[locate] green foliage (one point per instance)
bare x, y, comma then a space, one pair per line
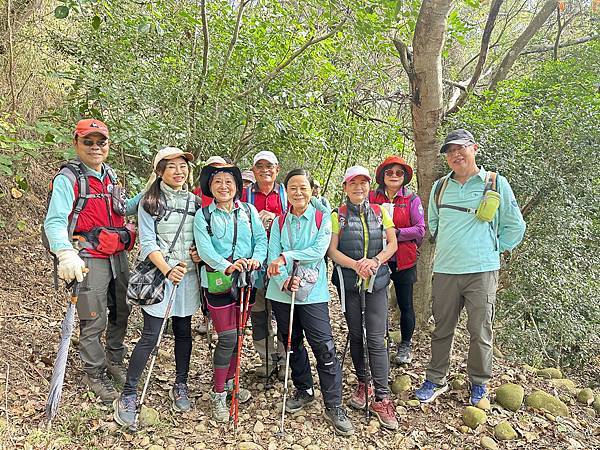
13, 149
541, 131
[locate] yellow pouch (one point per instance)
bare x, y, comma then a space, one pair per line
488, 206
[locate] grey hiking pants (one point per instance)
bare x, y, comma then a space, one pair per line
261, 314
477, 293
101, 306
376, 316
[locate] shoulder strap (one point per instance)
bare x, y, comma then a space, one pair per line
72, 170
178, 232
490, 181
440, 187
318, 218
283, 197
281, 221
111, 174
248, 214
206, 214
250, 195
235, 233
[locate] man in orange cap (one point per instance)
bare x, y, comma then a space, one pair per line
85, 227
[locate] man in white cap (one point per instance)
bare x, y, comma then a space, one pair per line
270, 200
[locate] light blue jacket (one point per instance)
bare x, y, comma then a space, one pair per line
464, 243
300, 240
214, 250
56, 224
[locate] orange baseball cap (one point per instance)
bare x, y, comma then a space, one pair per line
89, 126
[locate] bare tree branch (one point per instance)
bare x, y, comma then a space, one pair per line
509, 59
483, 52
234, 37
547, 48
206, 40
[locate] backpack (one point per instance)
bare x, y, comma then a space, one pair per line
318, 219
440, 188
164, 210
76, 174
282, 196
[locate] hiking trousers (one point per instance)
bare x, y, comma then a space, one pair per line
311, 320
262, 329
101, 306
476, 292
403, 286
376, 315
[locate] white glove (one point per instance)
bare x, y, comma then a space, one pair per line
70, 265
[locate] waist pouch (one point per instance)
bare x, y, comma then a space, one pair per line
488, 206
108, 240
308, 280
221, 285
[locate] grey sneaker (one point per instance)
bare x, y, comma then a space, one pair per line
180, 397
336, 416
298, 401
220, 412
244, 395
117, 371
125, 408
404, 355
101, 385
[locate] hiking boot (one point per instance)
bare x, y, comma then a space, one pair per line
220, 412
429, 391
300, 399
336, 416
478, 392
261, 371
101, 385
385, 412
180, 396
117, 371
243, 394
403, 355
358, 398
125, 408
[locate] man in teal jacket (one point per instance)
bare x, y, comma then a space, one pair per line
467, 260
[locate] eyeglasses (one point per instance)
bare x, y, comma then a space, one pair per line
459, 149
392, 172
91, 143
265, 166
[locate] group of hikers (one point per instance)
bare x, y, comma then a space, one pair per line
249, 242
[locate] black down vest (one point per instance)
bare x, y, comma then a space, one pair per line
352, 243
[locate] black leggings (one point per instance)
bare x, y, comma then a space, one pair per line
403, 285
182, 330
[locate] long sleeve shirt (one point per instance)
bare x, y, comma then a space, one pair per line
464, 243
300, 239
216, 249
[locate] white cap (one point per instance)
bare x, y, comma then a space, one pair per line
171, 153
267, 156
248, 175
355, 171
215, 160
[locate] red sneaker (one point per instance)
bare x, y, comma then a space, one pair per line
358, 399
385, 412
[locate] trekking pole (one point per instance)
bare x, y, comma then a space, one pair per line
288, 349
154, 352
363, 308
345, 350
242, 319
60, 364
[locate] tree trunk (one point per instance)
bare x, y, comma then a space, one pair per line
509, 59
427, 109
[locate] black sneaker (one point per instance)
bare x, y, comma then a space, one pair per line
180, 396
298, 401
336, 416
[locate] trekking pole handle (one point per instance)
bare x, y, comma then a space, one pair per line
293, 273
